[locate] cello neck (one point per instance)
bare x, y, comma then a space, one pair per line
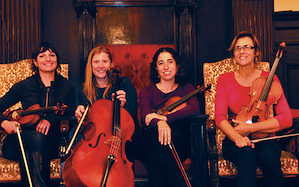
116, 129
116, 118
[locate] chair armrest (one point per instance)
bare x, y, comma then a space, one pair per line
213, 153
199, 157
64, 133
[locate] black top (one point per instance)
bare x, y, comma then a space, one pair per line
126, 85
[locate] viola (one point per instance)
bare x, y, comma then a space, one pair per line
32, 114
264, 93
100, 159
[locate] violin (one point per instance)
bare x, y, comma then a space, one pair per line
29, 117
264, 93
32, 114
100, 159
174, 104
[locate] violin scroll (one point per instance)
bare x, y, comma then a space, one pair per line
280, 50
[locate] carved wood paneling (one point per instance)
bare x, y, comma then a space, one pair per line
86, 14
186, 36
255, 16
20, 26
286, 29
138, 22
123, 22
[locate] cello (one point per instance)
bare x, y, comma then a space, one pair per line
100, 159
264, 94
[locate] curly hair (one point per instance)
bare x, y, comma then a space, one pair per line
41, 48
181, 73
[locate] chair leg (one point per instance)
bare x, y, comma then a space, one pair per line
213, 154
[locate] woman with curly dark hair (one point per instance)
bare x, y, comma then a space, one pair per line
167, 74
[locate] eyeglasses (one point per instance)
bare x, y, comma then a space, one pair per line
245, 48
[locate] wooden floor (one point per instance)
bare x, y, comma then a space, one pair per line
289, 182
57, 184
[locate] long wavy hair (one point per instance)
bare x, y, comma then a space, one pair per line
41, 48
181, 73
90, 83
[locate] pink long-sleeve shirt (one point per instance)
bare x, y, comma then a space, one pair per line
231, 97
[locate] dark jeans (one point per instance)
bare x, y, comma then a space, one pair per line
265, 154
36, 150
162, 168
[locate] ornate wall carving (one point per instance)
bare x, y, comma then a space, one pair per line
20, 27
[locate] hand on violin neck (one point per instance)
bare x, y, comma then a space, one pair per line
10, 126
164, 133
151, 116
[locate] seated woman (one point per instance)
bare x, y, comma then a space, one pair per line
98, 85
167, 74
41, 139
232, 96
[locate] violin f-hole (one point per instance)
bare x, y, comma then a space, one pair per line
251, 107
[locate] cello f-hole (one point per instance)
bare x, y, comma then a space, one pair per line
98, 139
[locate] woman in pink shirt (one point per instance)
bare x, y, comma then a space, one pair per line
232, 96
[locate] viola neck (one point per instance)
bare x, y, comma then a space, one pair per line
35, 111
267, 86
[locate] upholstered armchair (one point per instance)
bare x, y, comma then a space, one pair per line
9, 75
218, 166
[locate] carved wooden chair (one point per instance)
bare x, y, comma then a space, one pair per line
218, 166
9, 75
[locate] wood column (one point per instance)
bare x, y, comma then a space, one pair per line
256, 17
20, 29
186, 36
86, 14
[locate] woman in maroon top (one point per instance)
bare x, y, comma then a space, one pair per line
167, 74
232, 95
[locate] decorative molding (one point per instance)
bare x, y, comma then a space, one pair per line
186, 37
86, 14
87, 7
285, 16
185, 7
140, 3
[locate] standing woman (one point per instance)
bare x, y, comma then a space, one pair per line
41, 140
167, 74
98, 85
232, 95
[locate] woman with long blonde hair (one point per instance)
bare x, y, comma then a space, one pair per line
97, 84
